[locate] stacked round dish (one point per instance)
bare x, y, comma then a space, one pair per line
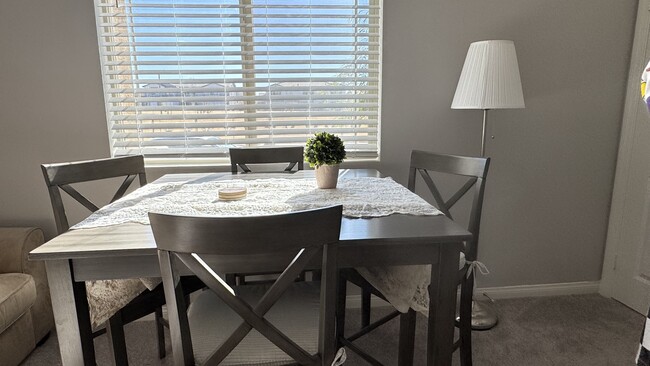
232, 193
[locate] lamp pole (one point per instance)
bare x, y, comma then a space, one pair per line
484, 316
485, 113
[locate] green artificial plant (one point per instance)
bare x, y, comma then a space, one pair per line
324, 149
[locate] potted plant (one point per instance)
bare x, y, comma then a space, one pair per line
324, 152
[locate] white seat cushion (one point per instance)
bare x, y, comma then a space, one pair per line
296, 315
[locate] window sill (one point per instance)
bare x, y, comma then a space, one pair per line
159, 167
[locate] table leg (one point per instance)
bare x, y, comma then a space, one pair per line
442, 305
83, 320
65, 313
366, 298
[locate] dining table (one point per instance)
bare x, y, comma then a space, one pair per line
128, 251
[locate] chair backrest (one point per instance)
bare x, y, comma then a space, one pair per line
191, 240
475, 168
60, 176
239, 157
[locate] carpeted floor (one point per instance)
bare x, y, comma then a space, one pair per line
568, 330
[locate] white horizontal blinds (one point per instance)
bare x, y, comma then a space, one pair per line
195, 77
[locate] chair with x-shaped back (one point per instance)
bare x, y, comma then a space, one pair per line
239, 157
60, 177
287, 322
423, 163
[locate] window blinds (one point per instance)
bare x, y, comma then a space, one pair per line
192, 78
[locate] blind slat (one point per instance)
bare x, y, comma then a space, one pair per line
189, 125
274, 130
219, 143
180, 53
215, 15
274, 71
195, 87
303, 114
118, 23
330, 79
206, 62
111, 5
180, 43
188, 98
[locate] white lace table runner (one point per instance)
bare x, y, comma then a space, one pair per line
404, 287
360, 197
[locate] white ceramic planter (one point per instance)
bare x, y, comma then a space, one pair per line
327, 176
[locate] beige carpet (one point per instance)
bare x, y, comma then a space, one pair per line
568, 330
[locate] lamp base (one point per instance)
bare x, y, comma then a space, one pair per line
484, 315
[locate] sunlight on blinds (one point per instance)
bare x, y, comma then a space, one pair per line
192, 78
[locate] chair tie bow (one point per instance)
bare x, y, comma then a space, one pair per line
474, 265
340, 357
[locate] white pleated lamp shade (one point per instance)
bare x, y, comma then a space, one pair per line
490, 78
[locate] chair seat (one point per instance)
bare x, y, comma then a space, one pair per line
296, 314
17, 295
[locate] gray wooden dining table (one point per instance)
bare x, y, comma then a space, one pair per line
129, 251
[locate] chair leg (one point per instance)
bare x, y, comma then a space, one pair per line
340, 309
316, 275
116, 341
160, 333
365, 307
465, 328
406, 338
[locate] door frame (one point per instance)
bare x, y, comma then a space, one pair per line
628, 131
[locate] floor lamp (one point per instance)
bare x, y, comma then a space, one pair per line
489, 80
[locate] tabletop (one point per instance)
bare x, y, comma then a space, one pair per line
133, 239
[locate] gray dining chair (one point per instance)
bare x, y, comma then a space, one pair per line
240, 157
423, 163
63, 177
287, 322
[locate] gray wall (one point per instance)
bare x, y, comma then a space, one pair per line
548, 193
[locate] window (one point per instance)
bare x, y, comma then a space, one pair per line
187, 79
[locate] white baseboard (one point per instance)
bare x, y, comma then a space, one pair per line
508, 292
550, 289
505, 292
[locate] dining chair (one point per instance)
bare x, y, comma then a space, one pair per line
240, 157
423, 163
286, 322
293, 155
61, 177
